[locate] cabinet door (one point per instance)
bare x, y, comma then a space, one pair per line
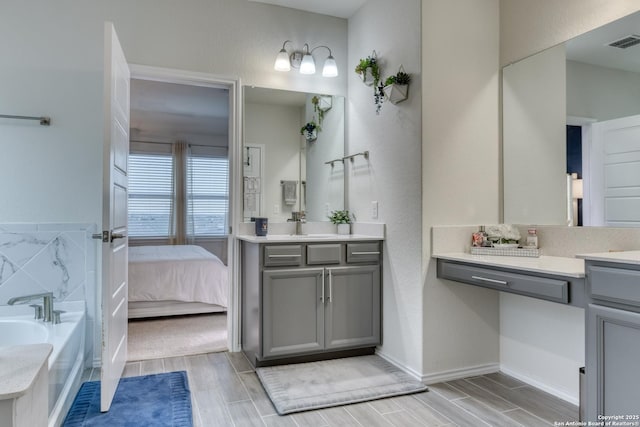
352, 307
292, 311
613, 372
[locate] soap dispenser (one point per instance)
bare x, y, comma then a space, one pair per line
532, 238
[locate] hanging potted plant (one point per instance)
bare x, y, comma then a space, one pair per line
369, 70
321, 104
343, 220
396, 88
310, 131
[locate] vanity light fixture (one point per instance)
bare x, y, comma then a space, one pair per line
304, 61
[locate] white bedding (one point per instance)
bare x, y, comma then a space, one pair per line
177, 272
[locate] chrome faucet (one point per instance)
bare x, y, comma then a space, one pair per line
47, 302
299, 219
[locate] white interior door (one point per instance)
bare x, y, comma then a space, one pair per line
114, 217
614, 193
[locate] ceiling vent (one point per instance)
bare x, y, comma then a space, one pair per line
626, 42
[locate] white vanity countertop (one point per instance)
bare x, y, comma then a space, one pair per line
626, 257
562, 266
19, 366
292, 238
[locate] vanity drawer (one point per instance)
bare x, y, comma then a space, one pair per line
282, 255
614, 284
539, 287
330, 253
363, 252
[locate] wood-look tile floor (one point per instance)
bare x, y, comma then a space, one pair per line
225, 391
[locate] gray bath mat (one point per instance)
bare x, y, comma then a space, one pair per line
313, 385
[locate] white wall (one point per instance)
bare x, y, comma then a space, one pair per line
392, 175
601, 93
534, 139
54, 65
460, 162
278, 128
528, 27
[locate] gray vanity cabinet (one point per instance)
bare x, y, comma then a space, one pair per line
309, 299
352, 307
613, 341
293, 312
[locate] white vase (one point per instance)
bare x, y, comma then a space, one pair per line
344, 228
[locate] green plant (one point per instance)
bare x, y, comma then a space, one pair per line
401, 78
309, 128
316, 108
369, 62
378, 97
340, 217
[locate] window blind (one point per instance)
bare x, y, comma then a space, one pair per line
207, 193
150, 194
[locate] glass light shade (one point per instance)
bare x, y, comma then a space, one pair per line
330, 68
282, 61
308, 65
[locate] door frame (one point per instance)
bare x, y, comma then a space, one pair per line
587, 166
233, 84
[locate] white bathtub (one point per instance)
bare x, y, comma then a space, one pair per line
17, 327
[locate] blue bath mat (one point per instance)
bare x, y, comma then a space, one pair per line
149, 400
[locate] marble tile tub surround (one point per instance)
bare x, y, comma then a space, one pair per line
36, 258
555, 240
61, 258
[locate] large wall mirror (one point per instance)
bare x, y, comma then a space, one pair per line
571, 131
284, 171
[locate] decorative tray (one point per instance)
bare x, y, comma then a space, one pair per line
522, 252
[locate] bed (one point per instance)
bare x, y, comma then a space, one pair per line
175, 279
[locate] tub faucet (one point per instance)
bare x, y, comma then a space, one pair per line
47, 302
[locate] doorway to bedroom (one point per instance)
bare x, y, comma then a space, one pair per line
179, 216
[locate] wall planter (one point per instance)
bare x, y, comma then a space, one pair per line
396, 93
321, 104
368, 70
396, 88
310, 131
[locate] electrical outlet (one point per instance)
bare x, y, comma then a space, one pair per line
276, 208
327, 209
374, 210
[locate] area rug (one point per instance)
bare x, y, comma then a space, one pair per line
162, 400
313, 385
176, 336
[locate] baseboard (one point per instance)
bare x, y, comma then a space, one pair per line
541, 386
456, 374
399, 365
437, 377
